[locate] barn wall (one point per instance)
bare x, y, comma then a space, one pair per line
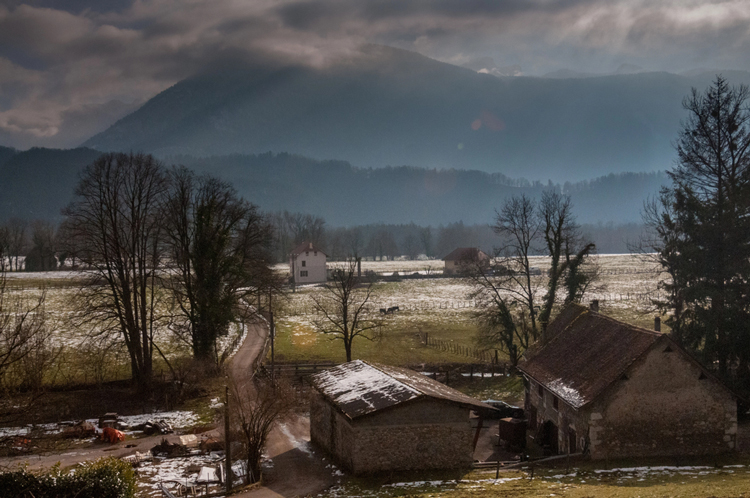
426, 434
663, 408
331, 430
450, 268
566, 418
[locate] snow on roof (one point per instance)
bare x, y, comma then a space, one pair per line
566, 393
358, 388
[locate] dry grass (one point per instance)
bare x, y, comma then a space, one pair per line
588, 480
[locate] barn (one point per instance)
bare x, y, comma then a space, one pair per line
374, 418
461, 259
617, 390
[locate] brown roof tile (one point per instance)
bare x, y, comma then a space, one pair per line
465, 254
587, 353
305, 246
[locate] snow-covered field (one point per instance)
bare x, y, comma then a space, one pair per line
626, 284
177, 419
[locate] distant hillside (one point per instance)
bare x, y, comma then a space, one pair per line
38, 183
394, 107
345, 195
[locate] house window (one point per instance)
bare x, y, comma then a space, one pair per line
307, 253
303, 273
304, 263
540, 390
555, 403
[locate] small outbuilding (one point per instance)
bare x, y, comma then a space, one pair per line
459, 260
374, 418
617, 390
307, 264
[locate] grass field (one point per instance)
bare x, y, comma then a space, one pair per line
586, 481
442, 307
439, 307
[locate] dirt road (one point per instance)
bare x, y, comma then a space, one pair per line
297, 469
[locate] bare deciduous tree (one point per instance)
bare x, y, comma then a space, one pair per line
256, 406
113, 226
23, 333
16, 242
514, 307
343, 307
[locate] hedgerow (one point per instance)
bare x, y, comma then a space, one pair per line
104, 478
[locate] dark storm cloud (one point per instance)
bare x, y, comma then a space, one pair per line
63, 61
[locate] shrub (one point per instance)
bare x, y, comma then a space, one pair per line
104, 478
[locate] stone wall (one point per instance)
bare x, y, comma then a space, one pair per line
423, 434
664, 406
332, 431
566, 418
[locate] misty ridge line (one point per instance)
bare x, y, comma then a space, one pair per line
37, 183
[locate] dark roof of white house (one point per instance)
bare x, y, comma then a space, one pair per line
588, 352
306, 247
465, 254
359, 388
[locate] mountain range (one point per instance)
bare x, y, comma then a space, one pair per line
38, 183
390, 107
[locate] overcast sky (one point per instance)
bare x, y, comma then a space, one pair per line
69, 68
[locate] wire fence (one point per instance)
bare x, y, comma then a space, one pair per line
464, 304
483, 355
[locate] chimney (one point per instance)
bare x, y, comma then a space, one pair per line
310, 245
594, 305
657, 324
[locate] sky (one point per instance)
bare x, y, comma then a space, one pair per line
70, 68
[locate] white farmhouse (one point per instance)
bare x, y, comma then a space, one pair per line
307, 264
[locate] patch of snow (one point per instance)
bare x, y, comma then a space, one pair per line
566, 393
301, 444
358, 381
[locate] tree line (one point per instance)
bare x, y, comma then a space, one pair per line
161, 248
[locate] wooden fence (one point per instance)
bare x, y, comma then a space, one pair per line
297, 372
482, 355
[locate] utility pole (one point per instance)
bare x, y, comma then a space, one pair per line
272, 330
227, 444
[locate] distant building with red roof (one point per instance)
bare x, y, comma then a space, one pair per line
459, 260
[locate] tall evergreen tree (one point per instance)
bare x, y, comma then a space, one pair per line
701, 228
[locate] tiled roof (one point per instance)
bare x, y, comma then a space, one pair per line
358, 388
586, 354
465, 254
304, 247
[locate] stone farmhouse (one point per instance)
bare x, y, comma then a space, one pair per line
618, 390
374, 418
307, 264
457, 261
